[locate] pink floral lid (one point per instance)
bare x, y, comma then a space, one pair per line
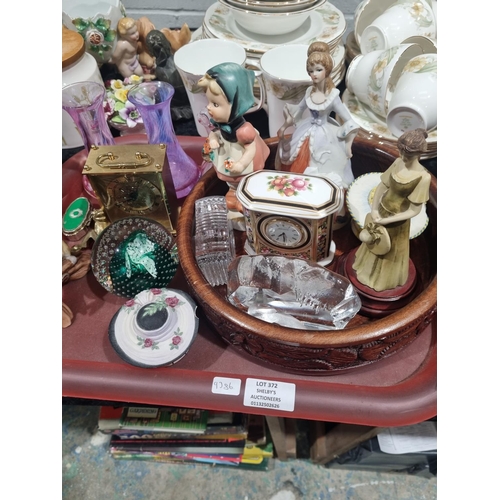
287, 193
155, 328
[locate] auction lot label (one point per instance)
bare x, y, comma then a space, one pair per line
269, 394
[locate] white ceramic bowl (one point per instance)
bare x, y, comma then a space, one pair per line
268, 23
273, 7
371, 77
414, 100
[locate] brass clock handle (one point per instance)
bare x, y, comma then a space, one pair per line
142, 160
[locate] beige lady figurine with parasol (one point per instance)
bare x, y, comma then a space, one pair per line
318, 145
382, 260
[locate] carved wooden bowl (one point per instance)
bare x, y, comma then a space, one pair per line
365, 340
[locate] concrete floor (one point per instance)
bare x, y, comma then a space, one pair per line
90, 473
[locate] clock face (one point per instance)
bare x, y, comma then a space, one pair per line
134, 195
284, 232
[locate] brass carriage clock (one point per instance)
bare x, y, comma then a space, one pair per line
128, 181
290, 214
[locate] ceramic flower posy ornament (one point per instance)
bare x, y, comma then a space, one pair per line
98, 35
119, 111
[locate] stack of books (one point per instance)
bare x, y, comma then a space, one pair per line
185, 435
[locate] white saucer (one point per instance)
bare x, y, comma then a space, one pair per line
140, 342
325, 24
358, 199
374, 124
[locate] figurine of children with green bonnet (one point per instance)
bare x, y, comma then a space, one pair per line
234, 146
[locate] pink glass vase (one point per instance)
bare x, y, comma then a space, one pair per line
152, 100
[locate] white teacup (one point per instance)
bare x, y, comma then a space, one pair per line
414, 100
398, 22
372, 76
286, 79
194, 59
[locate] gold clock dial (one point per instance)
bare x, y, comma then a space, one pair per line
284, 232
134, 195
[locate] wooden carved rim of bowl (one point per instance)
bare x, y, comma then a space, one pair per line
364, 340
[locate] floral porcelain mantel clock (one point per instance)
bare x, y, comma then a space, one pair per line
290, 214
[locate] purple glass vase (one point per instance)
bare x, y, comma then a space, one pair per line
84, 103
152, 100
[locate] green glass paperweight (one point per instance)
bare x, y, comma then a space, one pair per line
134, 254
139, 264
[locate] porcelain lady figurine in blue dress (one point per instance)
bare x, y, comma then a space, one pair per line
318, 145
234, 146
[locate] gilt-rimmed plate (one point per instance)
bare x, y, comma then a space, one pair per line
155, 328
359, 197
325, 24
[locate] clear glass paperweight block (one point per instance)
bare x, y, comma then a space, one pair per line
214, 239
291, 292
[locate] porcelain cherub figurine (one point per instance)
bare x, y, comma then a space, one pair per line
125, 54
234, 145
318, 145
382, 260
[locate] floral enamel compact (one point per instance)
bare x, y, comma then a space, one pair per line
155, 328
